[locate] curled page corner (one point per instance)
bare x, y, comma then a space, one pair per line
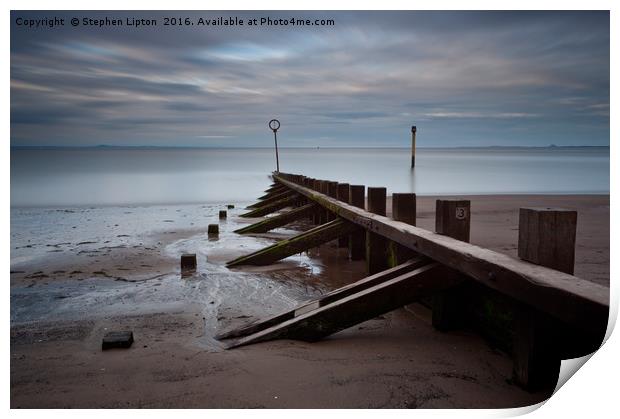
569, 367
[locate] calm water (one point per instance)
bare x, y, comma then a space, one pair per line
77, 177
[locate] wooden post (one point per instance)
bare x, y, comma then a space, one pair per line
403, 209
546, 237
213, 230
376, 245
322, 211
332, 191
357, 239
413, 131
222, 214
188, 262
316, 185
343, 195
452, 218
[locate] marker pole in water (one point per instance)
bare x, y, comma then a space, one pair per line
413, 131
274, 124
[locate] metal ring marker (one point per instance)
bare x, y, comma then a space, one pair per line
274, 124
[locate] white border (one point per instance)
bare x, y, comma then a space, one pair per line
591, 392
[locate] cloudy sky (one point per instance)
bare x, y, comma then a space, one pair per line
464, 78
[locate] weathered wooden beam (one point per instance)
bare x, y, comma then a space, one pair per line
275, 188
376, 244
357, 239
273, 207
272, 199
270, 194
279, 220
576, 301
325, 299
304, 241
358, 307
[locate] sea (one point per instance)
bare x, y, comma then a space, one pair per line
106, 176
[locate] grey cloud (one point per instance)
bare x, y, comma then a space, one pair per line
460, 76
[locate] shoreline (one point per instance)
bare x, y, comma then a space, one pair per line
397, 360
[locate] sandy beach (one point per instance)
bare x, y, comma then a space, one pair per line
63, 302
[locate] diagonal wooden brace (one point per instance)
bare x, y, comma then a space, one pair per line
304, 241
279, 220
273, 207
359, 307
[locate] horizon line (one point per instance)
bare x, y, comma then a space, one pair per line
104, 146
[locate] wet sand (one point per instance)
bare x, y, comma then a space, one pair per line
394, 361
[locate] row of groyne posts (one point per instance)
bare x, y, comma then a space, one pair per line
532, 307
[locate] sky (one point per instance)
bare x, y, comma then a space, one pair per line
463, 78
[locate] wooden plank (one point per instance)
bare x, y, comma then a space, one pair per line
328, 298
358, 307
566, 297
279, 220
275, 188
273, 207
272, 199
304, 241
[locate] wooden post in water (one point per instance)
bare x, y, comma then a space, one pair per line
376, 245
343, 195
403, 209
357, 239
546, 237
452, 218
413, 132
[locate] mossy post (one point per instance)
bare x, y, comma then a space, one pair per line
343, 195
376, 245
452, 218
403, 209
546, 237
357, 239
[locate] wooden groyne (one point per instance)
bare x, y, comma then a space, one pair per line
533, 306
